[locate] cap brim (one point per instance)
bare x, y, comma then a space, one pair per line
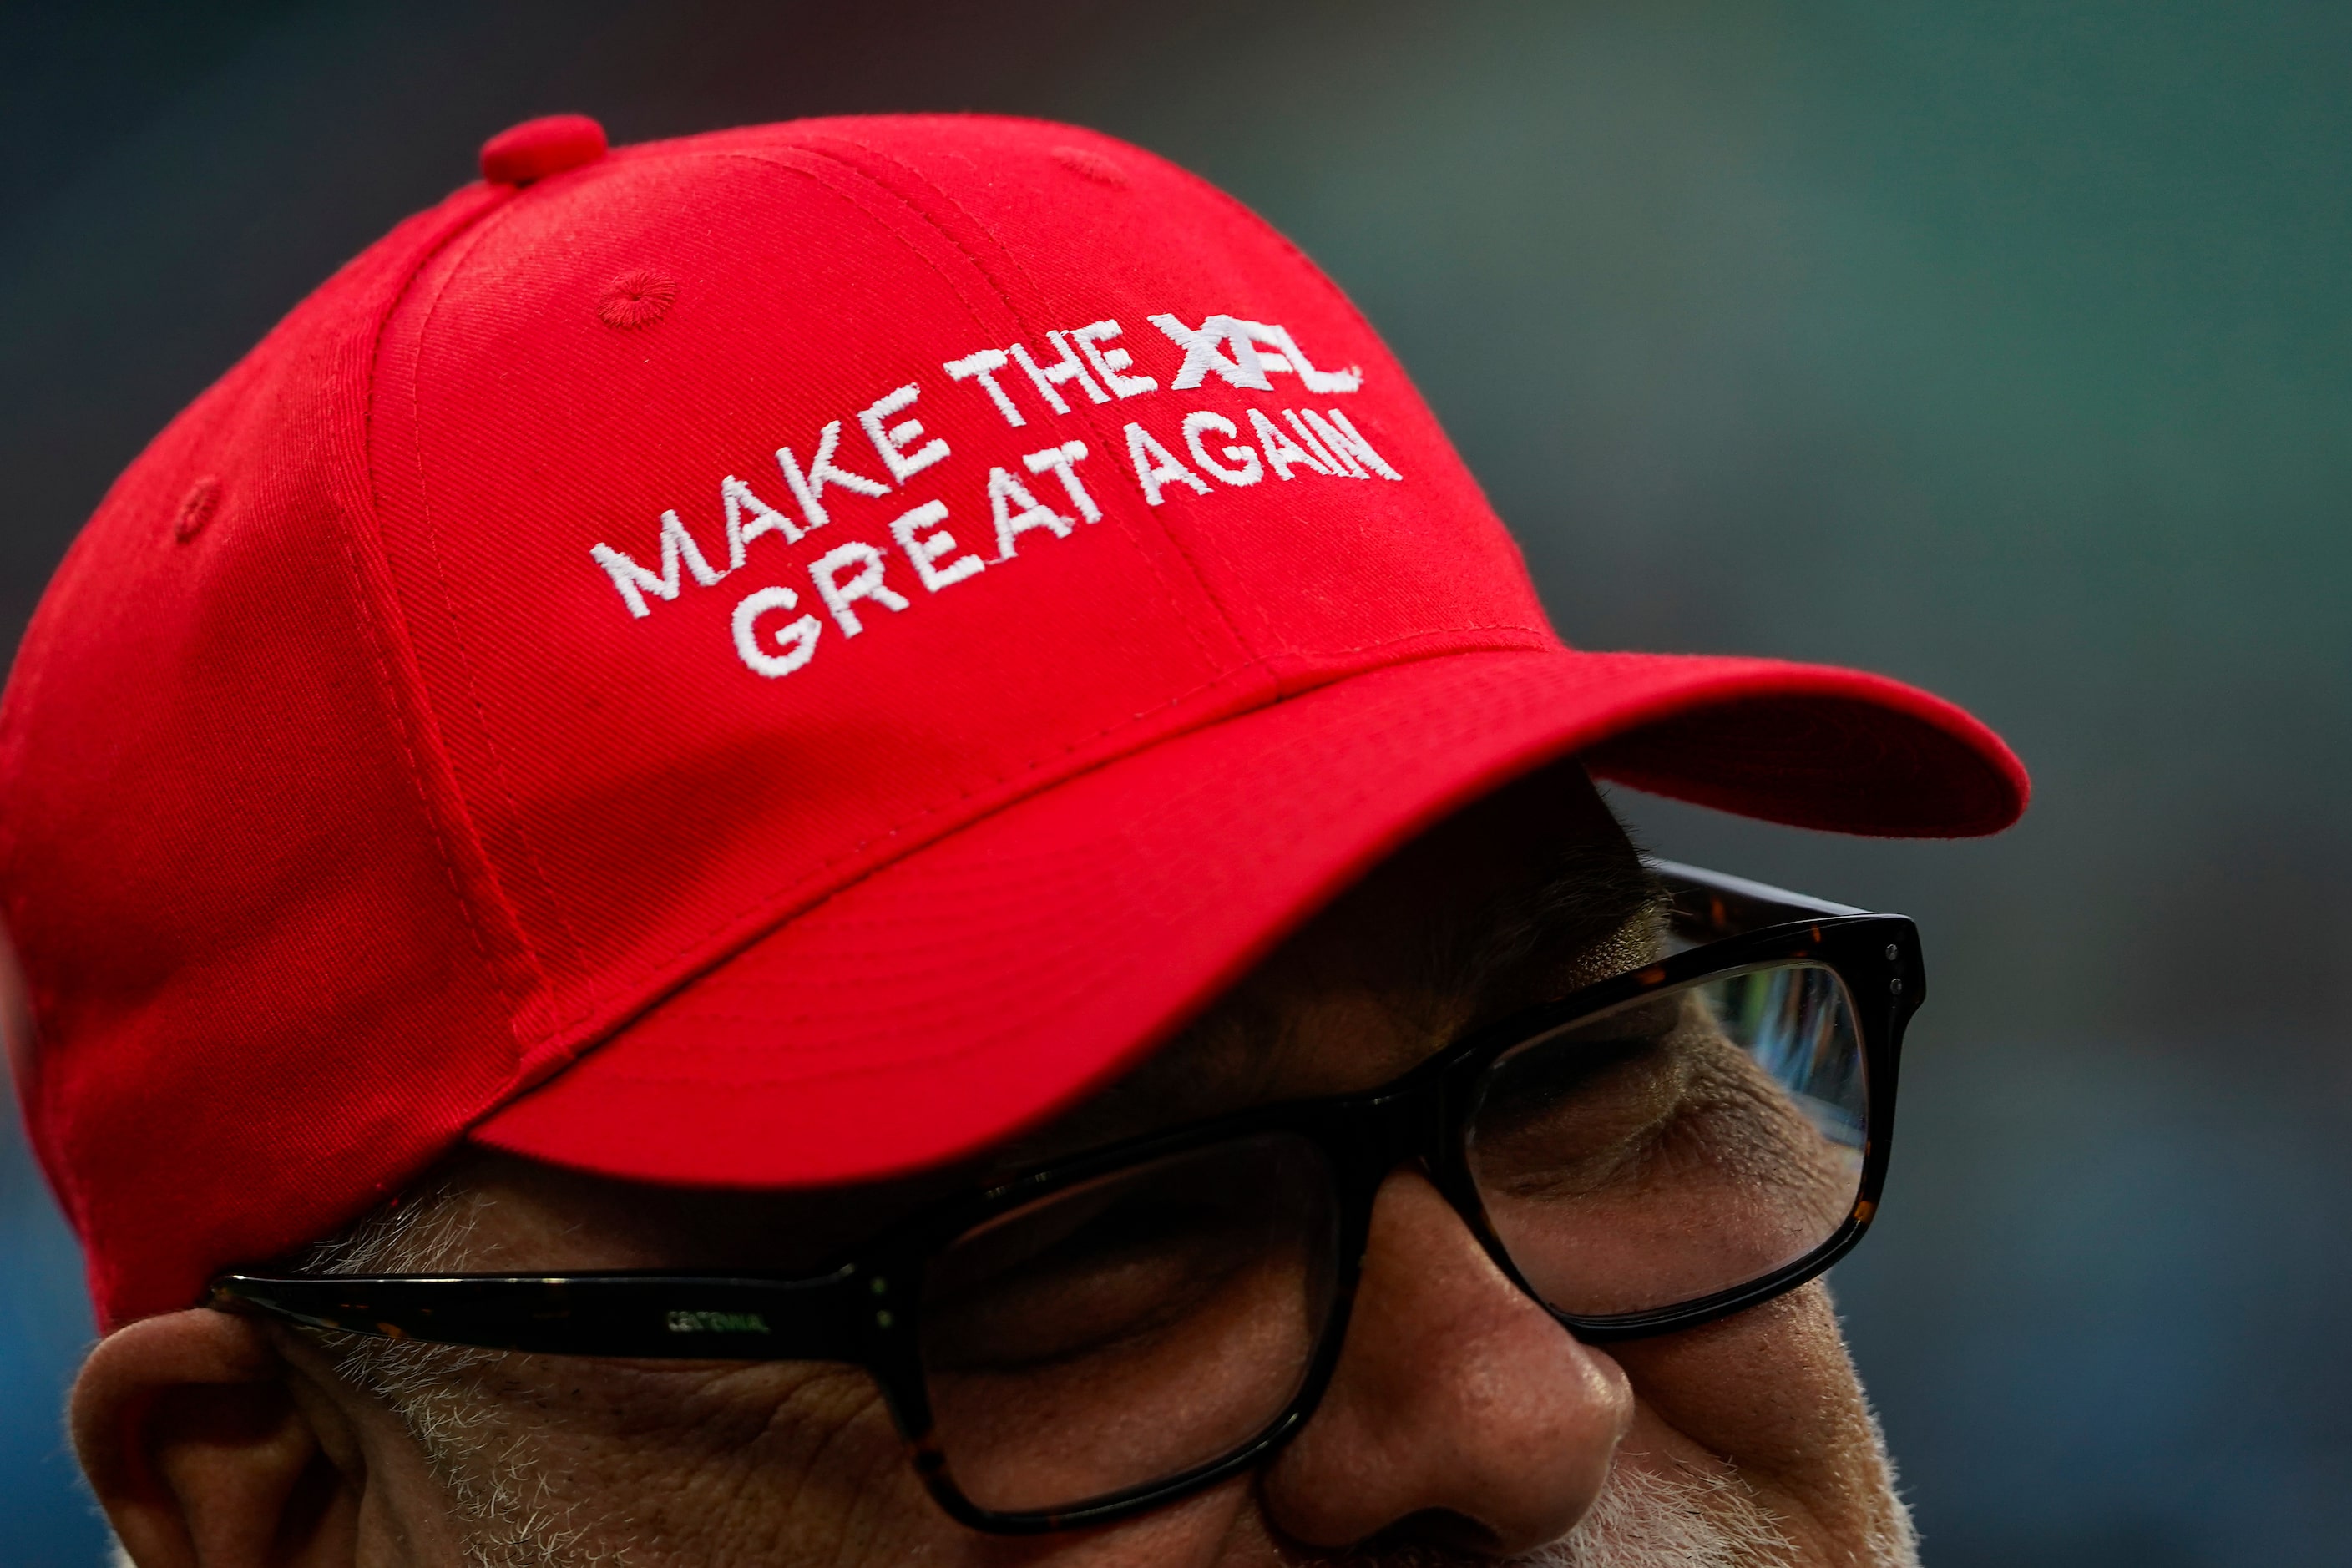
998, 974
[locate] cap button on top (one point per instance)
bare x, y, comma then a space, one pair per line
538, 148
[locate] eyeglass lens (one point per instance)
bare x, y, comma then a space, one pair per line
1127, 1330
1682, 1144
1131, 1327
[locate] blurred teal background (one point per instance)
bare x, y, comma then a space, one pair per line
2001, 347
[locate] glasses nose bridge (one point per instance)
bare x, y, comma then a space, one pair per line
1408, 1124
1417, 1124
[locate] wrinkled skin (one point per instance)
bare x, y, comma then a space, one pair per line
1463, 1423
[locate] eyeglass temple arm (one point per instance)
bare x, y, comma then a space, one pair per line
654, 1316
1733, 904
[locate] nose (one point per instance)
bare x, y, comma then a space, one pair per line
1461, 1411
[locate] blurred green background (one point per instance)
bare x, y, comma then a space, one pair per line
2001, 347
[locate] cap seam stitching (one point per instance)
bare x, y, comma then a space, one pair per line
385, 679
499, 772
387, 689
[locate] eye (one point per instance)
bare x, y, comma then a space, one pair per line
1116, 1261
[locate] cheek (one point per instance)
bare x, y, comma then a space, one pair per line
781, 1464
763, 1464
1772, 1392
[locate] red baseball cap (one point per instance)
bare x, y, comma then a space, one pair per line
774, 659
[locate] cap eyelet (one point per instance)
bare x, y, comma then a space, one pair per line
638, 298
1088, 163
196, 509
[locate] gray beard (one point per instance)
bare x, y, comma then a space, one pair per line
1685, 1519
1643, 1519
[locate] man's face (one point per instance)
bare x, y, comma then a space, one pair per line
1462, 1421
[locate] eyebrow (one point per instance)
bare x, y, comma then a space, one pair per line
1593, 894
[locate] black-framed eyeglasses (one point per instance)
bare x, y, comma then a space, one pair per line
1118, 1330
